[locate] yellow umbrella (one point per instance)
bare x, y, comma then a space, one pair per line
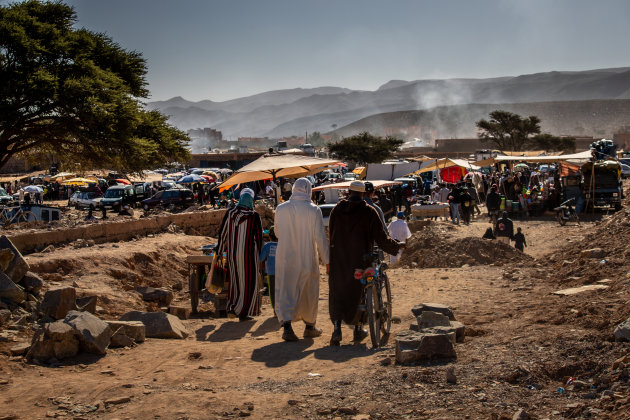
78, 181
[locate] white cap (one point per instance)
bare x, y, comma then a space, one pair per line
357, 186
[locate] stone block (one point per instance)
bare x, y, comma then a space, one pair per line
158, 324
17, 267
127, 333
32, 282
54, 340
58, 302
181, 312
20, 349
429, 319
93, 333
152, 294
414, 347
622, 331
593, 253
460, 331
87, 304
10, 290
433, 307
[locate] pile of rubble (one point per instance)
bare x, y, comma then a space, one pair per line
433, 336
428, 248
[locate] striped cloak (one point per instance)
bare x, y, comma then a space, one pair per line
240, 237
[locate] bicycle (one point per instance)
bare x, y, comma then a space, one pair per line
15, 215
376, 300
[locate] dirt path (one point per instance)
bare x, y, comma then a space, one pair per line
515, 340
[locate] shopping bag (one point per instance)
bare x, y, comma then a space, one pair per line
216, 278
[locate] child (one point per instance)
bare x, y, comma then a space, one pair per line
519, 240
268, 263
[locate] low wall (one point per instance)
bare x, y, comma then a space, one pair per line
202, 222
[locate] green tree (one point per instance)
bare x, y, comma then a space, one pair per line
316, 139
365, 148
76, 93
508, 131
552, 143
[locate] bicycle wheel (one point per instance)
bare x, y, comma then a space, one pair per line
371, 303
385, 304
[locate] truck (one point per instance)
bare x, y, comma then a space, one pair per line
602, 188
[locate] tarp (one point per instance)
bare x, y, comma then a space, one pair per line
582, 156
391, 171
345, 185
277, 165
447, 163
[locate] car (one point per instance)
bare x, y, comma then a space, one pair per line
350, 176
326, 209
5, 198
118, 196
170, 199
84, 199
625, 170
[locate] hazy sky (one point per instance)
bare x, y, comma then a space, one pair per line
224, 49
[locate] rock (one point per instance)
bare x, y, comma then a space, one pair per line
396, 320
620, 362
460, 331
412, 347
54, 340
181, 312
158, 324
152, 294
32, 282
127, 333
429, 319
5, 317
117, 400
451, 378
520, 415
17, 267
593, 253
93, 333
6, 256
433, 307
58, 302
10, 290
20, 349
622, 331
87, 304
49, 248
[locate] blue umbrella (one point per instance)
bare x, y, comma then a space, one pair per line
190, 179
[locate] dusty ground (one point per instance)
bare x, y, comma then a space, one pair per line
522, 344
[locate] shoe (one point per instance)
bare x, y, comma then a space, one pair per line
360, 334
335, 339
289, 335
312, 332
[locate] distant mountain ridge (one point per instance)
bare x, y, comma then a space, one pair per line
294, 111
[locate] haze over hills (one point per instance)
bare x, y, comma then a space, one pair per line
294, 111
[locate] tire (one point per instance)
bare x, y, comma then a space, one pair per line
371, 300
561, 219
145, 207
385, 303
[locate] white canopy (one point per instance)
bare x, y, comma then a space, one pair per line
346, 185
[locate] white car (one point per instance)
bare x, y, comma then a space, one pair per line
625, 170
84, 199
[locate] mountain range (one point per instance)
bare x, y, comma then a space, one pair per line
294, 111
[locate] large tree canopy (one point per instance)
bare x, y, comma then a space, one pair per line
365, 148
508, 131
75, 93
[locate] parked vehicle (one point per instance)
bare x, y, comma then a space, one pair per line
603, 187
326, 209
118, 196
170, 199
566, 212
5, 198
625, 170
84, 199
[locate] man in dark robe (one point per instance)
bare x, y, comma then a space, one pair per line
354, 227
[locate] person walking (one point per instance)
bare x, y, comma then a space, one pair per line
466, 205
268, 263
299, 226
354, 227
504, 230
454, 199
240, 237
519, 240
398, 230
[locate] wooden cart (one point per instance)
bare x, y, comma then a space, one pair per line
198, 268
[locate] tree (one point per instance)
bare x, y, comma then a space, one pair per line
508, 131
553, 143
75, 93
365, 148
316, 139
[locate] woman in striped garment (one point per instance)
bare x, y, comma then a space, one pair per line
240, 238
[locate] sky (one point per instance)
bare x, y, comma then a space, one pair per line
225, 49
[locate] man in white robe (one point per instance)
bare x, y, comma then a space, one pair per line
301, 236
398, 230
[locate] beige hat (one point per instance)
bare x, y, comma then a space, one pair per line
357, 186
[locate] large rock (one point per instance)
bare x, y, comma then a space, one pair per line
151, 294
429, 319
17, 267
433, 307
10, 290
93, 333
5, 317
622, 331
127, 333
58, 302
593, 253
87, 304
32, 282
158, 324
413, 347
56, 339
